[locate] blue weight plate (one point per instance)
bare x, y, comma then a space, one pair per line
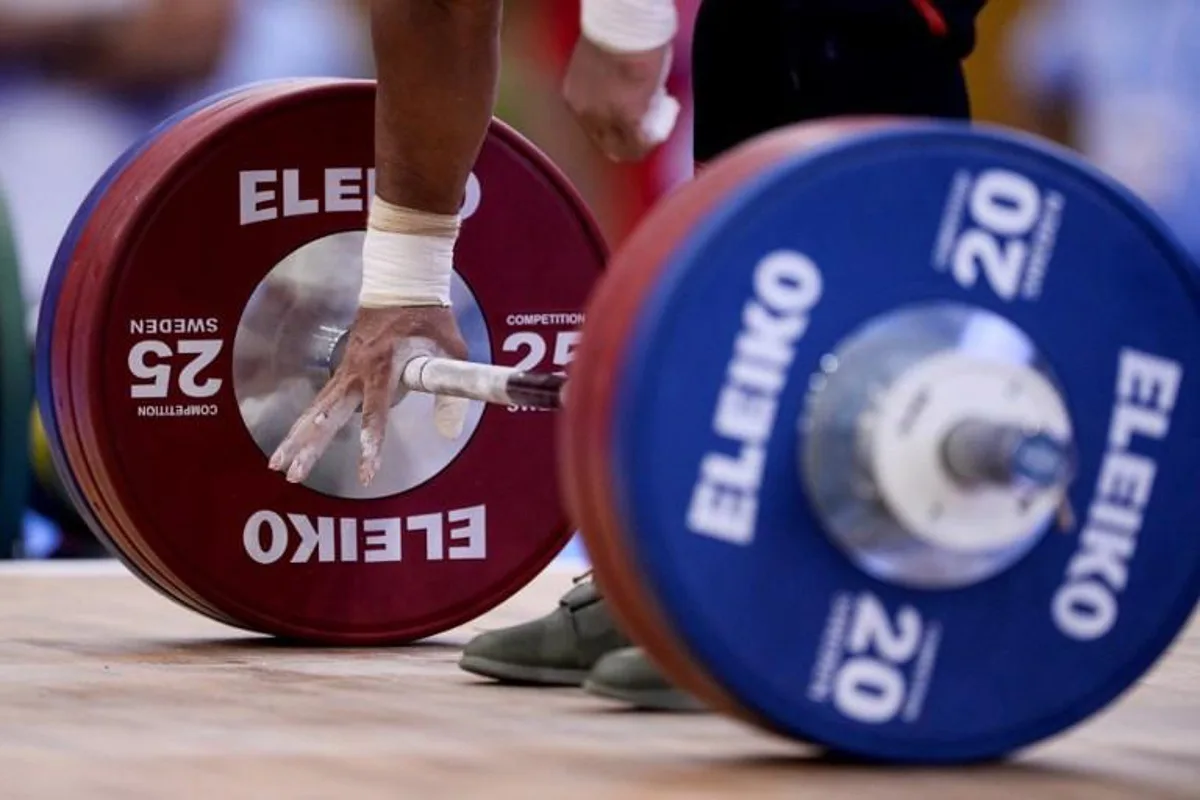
775, 611
44, 384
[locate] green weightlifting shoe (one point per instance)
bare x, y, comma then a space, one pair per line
629, 676
559, 649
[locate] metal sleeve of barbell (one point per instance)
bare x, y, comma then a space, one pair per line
486, 382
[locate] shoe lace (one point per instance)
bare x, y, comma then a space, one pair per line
581, 578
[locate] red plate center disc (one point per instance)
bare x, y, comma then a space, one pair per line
222, 285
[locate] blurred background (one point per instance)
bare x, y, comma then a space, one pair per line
80, 80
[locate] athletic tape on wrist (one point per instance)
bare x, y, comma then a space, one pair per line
630, 26
408, 257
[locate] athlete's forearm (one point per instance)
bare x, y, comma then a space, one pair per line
437, 64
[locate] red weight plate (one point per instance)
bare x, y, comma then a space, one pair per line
80, 275
234, 250
585, 434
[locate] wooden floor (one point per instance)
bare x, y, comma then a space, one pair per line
107, 690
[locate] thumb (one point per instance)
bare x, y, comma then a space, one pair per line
659, 122
450, 415
663, 112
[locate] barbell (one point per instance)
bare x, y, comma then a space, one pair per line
880, 434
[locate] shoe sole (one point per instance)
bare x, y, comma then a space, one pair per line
648, 699
521, 674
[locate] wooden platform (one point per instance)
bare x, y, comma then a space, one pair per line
108, 690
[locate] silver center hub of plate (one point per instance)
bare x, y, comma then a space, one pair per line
936, 446
281, 355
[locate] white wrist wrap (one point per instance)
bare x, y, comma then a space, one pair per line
630, 26
408, 257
